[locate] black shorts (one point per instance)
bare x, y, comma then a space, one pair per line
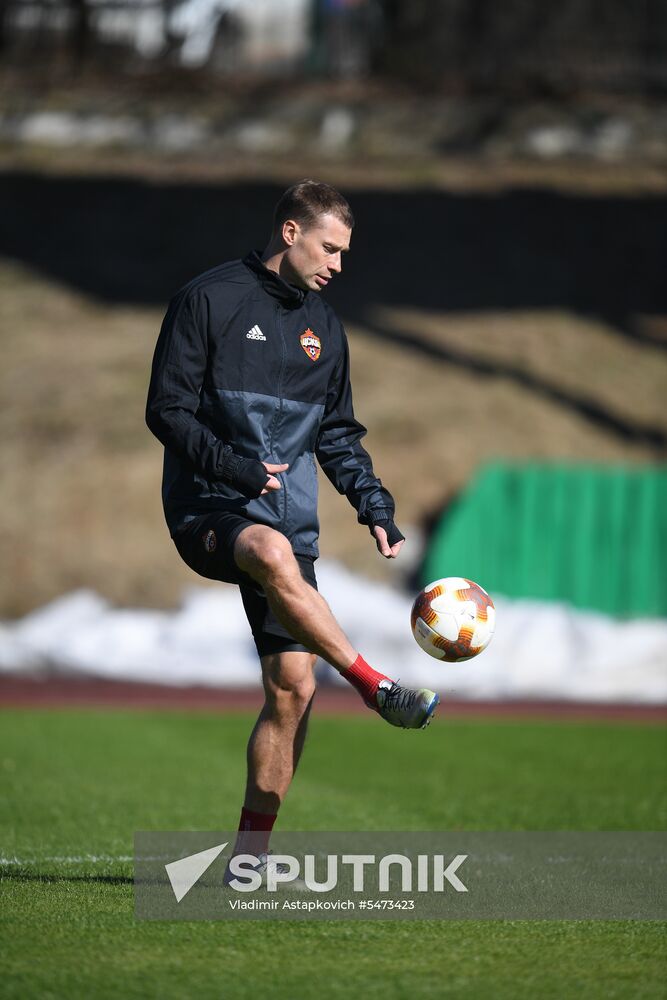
206, 544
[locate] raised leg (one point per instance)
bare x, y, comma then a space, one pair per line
266, 556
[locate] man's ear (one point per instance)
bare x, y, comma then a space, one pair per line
290, 231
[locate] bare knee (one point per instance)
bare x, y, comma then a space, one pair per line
289, 683
291, 698
263, 553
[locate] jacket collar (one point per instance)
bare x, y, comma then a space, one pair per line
289, 295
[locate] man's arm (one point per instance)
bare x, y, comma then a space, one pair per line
348, 465
179, 367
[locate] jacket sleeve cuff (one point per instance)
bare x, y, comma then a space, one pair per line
393, 533
379, 515
247, 475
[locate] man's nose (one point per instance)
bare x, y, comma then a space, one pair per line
336, 264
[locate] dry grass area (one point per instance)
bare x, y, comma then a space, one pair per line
432, 423
80, 489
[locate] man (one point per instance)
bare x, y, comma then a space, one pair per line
250, 381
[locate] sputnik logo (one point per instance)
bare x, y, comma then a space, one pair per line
285, 868
184, 873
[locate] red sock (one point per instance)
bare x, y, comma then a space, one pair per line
364, 679
254, 832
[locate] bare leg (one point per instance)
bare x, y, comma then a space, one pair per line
266, 556
277, 740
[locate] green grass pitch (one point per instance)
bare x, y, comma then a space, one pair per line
77, 784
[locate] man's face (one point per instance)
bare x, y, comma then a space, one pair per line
314, 255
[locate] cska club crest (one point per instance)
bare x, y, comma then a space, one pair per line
311, 344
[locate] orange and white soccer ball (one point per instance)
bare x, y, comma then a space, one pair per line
453, 619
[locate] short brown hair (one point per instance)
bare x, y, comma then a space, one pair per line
307, 200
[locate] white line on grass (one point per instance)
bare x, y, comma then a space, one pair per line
67, 860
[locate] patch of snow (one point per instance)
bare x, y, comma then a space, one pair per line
540, 649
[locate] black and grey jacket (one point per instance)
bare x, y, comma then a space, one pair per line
248, 367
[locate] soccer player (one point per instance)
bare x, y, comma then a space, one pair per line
250, 384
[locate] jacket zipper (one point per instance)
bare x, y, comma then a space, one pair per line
280, 408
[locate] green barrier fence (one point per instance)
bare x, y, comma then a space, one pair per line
593, 536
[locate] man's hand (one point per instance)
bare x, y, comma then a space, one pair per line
382, 540
249, 477
272, 482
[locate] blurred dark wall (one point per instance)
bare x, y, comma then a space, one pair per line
125, 240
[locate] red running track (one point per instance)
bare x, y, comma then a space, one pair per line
65, 692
